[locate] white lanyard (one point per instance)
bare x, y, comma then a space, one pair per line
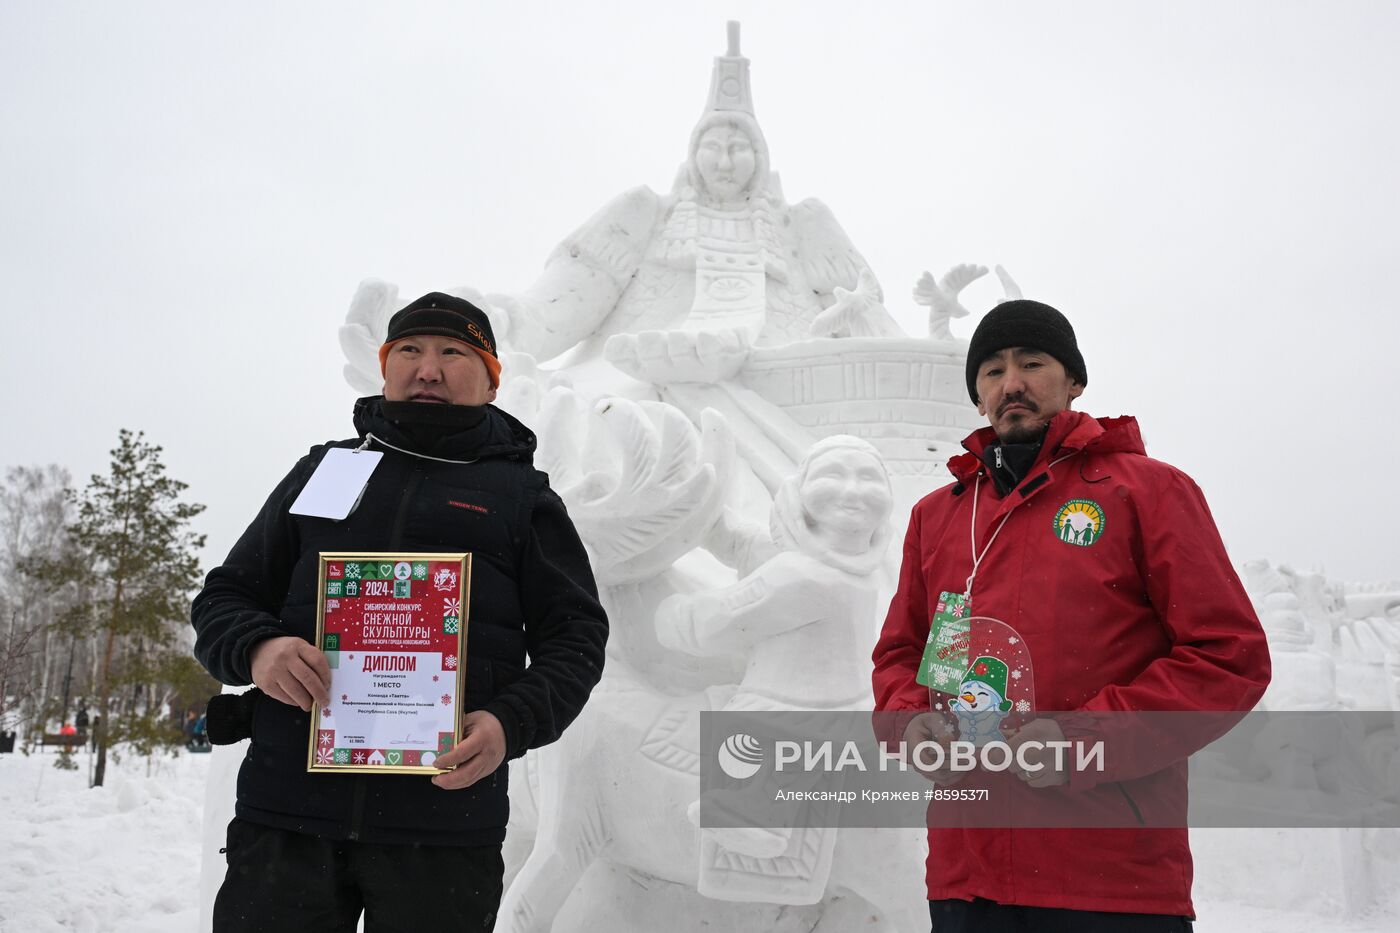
413, 453
977, 558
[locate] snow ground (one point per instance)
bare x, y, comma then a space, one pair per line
120, 858
125, 857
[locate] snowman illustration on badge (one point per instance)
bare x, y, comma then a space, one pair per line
978, 669
981, 702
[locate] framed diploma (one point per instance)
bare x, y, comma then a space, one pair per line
393, 627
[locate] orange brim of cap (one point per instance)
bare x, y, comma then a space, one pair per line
493, 365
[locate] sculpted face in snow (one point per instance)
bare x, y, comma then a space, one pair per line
725, 159
846, 493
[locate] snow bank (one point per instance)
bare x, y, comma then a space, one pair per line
118, 858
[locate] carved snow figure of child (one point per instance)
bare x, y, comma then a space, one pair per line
981, 702
800, 620
811, 601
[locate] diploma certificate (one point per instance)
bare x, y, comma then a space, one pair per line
393, 627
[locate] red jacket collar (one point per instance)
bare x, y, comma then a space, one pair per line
1069, 431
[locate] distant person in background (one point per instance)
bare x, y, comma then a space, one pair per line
82, 718
68, 729
199, 739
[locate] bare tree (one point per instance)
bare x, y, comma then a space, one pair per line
15, 668
35, 509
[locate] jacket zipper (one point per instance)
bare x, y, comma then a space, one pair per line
1137, 814
357, 801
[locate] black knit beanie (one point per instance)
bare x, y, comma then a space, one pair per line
1024, 323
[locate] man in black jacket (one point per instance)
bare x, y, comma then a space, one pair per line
311, 851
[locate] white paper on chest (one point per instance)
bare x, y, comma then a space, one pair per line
335, 488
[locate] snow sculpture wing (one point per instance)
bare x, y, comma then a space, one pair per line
839, 274
363, 332
655, 491
829, 259
1008, 285
583, 278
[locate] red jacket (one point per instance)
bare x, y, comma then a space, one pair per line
1149, 616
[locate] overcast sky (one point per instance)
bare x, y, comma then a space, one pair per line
190, 193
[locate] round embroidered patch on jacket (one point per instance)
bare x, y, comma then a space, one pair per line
1080, 521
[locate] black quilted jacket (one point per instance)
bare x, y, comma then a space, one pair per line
532, 593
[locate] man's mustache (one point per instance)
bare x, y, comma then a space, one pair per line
1018, 400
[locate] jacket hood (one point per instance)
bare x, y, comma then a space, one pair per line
497, 434
1067, 432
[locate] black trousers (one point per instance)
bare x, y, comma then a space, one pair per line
984, 916
284, 881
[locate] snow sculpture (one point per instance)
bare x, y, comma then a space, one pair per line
941, 296
1329, 647
621, 784
1316, 631
831, 520
1315, 669
716, 355
808, 602
722, 252
699, 345
1305, 676
720, 294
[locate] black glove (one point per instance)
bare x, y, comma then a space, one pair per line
229, 718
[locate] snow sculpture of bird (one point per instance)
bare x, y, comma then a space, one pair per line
941, 296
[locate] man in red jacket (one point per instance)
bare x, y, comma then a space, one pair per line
1109, 566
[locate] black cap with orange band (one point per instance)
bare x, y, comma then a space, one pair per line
443, 315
